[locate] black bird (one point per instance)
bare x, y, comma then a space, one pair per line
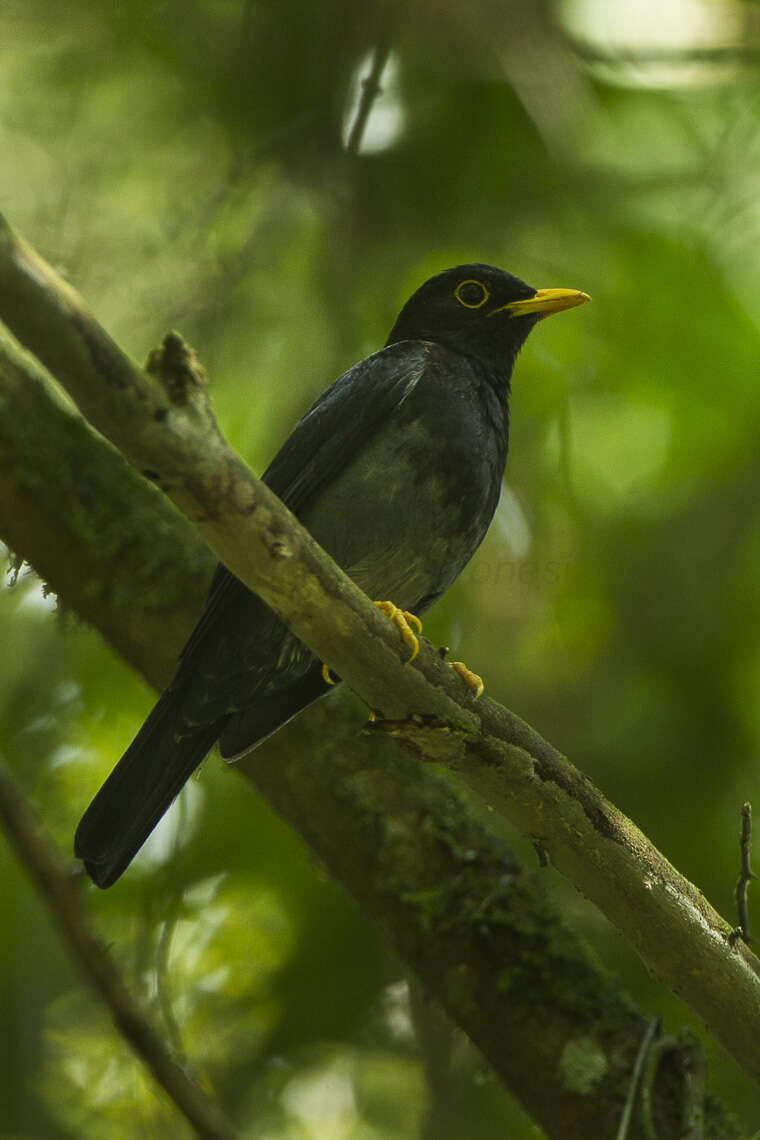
396, 471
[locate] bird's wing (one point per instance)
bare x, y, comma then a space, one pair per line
342, 420
331, 433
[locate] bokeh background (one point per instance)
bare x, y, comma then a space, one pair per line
185, 165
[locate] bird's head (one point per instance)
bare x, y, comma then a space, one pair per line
480, 311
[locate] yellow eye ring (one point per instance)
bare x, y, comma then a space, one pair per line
471, 304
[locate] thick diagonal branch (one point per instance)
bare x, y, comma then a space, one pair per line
167, 429
448, 893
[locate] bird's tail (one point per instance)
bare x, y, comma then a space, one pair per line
140, 789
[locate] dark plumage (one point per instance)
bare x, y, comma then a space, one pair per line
396, 471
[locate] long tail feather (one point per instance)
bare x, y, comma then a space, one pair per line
142, 786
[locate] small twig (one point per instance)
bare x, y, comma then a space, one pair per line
746, 875
633, 1087
56, 886
370, 90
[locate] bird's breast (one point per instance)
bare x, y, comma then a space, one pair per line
409, 510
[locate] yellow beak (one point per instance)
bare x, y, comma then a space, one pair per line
544, 302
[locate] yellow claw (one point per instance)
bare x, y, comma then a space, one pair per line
404, 620
472, 680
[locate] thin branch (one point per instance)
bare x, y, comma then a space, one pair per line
647, 1041
370, 90
56, 886
746, 874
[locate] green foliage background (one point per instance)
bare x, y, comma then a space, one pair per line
184, 165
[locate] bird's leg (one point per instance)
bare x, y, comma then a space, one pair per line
472, 680
404, 620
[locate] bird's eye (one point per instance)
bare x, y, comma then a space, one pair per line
472, 294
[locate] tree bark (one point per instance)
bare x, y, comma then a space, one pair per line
463, 914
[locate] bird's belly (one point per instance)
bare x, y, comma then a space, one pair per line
405, 516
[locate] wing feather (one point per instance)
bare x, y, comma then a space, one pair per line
328, 436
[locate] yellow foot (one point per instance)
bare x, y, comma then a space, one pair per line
404, 620
472, 680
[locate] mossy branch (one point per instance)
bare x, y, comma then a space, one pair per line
680, 937
54, 882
